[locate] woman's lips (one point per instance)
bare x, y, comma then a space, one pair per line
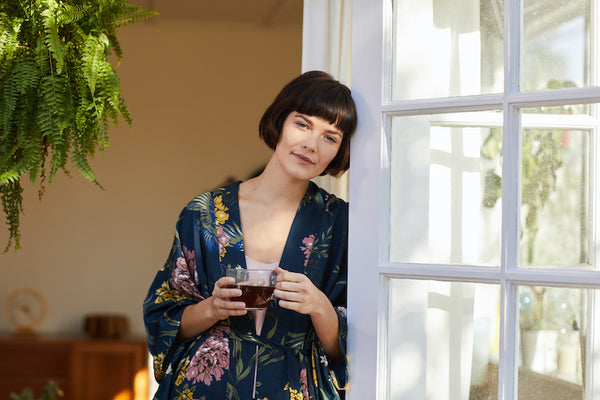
303, 159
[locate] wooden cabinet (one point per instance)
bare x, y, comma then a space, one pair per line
85, 369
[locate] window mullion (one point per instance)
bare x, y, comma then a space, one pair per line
510, 250
507, 365
594, 41
592, 375
444, 105
511, 165
512, 46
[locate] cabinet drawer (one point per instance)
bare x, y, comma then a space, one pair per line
30, 358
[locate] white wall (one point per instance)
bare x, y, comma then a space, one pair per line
196, 93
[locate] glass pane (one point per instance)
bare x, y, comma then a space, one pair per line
555, 193
443, 340
556, 44
552, 346
444, 48
445, 171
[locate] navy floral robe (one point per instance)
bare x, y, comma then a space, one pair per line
219, 363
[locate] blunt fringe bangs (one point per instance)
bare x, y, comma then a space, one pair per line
317, 94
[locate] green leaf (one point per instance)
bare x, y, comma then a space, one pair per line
12, 204
10, 176
51, 37
94, 51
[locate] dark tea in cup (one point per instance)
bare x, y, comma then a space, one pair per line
257, 286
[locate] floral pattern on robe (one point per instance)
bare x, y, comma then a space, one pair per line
219, 363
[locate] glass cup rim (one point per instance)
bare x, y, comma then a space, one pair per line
244, 274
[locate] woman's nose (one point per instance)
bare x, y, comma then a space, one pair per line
310, 144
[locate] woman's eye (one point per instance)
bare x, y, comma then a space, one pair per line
331, 139
302, 125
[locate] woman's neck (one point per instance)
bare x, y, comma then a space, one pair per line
272, 185
268, 205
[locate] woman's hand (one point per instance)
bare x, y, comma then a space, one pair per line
199, 317
222, 304
296, 292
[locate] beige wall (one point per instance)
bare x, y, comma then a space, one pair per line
196, 92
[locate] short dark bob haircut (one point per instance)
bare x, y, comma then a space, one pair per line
317, 94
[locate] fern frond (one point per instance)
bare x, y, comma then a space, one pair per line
28, 75
32, 156
12, 204
10, 176
70, 13
125, 111
48, 109
81, 115
8, 150
94, 53
115, 46
10, 96
115, 105
60, 154
44, 57
80, 161
9, 43
132, 13
51, 38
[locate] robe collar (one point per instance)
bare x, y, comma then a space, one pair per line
309, 220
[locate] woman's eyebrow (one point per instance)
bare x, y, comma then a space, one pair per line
309, 122
305, 118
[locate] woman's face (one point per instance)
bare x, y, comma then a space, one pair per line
307, 145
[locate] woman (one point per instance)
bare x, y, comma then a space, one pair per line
205, 344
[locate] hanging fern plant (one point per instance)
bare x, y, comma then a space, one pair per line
58, 91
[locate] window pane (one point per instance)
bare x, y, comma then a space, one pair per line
555, 214
552, 345
443, 340
556, 43
446, 48
446, 170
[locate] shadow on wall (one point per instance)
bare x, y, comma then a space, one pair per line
232, 179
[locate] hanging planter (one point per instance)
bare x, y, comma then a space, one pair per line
58, 90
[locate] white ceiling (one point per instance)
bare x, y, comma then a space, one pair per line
266, 12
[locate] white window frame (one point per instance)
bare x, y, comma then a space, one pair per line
369, 266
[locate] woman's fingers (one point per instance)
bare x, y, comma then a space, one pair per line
287, 276
222, 293
224, 288
295, 291
225, 308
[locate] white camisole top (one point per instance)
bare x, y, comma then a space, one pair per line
259, 315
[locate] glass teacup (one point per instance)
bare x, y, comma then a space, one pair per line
257, 286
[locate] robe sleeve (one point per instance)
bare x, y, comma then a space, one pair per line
174, 287
336, 374
340, 371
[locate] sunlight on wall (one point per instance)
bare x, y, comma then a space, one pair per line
140, 388
455, 192
140, 385
123, 395
152, 384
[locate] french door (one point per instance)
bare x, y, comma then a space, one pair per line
474, 247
